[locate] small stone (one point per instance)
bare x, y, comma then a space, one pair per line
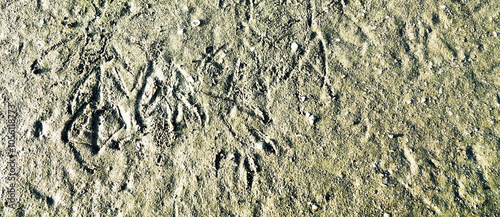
295, 46
180, 31
495, 34
314, 207
195, 23
260, 145
312, 119
303, 98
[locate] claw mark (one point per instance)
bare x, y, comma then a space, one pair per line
39, 196
251, 171
249, 174
33, 65
38, 128
218, 158
21, 46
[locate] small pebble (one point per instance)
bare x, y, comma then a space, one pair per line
180, 31
314, 207
495, 34
260, 145
195, 23
312, 119
295, 46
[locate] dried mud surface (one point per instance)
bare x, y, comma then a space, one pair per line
262, 108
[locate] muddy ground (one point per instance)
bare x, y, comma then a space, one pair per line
250, 108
